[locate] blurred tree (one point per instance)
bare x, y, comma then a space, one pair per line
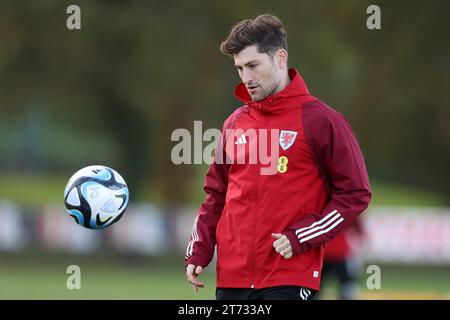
114, 91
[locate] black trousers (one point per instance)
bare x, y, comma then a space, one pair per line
346, 272
272, 293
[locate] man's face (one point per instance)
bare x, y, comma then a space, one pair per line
258, 71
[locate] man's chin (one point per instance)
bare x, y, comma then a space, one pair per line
257, 97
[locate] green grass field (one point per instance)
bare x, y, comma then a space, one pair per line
34, 278
99, 283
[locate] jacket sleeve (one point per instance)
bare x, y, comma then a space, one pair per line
200, 249
341, 164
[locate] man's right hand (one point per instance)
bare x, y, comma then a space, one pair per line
192, 271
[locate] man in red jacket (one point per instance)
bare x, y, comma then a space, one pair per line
270, 229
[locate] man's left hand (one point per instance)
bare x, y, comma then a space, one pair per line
282, 245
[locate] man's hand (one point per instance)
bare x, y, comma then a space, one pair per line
192, 271
282, 245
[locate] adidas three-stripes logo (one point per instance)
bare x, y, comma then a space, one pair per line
320, 227
241, 140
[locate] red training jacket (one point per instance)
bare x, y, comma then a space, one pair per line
320, 187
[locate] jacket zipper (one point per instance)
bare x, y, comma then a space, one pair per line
256, 203
254, 231
254, 236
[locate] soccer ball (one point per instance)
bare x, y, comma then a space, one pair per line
96, 197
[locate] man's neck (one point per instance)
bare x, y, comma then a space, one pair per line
285, 80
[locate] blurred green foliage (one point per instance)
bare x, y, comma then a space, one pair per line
112, 92
35, 191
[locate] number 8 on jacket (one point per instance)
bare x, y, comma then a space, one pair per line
282, 164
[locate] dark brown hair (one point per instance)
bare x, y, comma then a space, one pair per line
266, 31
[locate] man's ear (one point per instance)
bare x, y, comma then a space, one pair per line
281, 57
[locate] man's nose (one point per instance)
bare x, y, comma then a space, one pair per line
246, 77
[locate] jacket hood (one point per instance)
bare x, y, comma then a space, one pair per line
277, 101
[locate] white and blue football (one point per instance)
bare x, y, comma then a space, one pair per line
96, 197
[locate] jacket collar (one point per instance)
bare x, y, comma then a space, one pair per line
275, 102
